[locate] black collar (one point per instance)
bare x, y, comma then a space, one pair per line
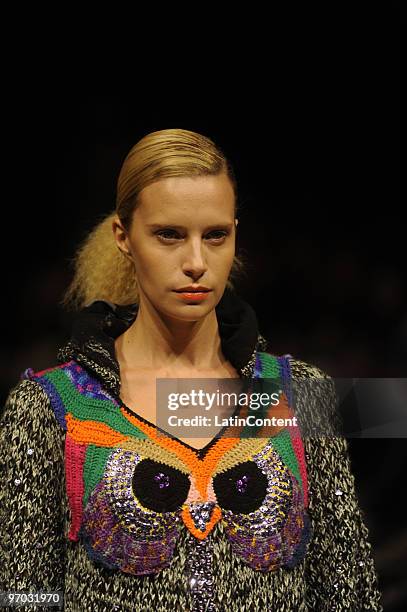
96, 326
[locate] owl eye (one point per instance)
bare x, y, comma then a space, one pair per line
159, 487
241, 489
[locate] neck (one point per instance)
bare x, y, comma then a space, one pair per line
157, 342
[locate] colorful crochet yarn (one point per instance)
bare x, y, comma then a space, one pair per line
128, 506
98, 566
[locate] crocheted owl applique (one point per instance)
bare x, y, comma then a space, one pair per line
131, 490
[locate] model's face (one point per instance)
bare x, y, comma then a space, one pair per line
182, 233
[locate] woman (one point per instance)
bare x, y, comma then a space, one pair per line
121, 514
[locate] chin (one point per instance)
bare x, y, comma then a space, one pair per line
192, 312
188, 312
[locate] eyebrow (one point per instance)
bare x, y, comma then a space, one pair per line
182, 227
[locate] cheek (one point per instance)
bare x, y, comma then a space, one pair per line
146, 267
228, 256
153, 268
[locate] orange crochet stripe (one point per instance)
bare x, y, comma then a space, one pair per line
203, 468
92, 432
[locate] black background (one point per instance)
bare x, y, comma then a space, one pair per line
317, 141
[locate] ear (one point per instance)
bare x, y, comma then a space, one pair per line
236, 222
120, 236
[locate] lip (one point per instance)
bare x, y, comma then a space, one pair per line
193, 289
193, 296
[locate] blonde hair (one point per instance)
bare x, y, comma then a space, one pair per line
101, 271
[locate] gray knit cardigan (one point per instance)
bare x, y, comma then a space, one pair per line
337, 574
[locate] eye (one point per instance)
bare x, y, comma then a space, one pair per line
242, 488
163, 234
221, 234
168, 235
160, 487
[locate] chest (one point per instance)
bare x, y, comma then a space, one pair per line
132, 496
139, 394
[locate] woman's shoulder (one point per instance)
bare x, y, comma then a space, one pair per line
25, 394
29, 400
305, 369
27, 418
298, 367
311, 390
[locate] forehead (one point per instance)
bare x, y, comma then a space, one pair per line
187, 195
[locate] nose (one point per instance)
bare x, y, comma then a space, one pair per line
194, 263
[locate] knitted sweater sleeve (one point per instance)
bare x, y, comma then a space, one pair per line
340, 571
31, 463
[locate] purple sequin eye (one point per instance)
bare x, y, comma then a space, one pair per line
162, 479
159, 486
242, 488
241, 484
